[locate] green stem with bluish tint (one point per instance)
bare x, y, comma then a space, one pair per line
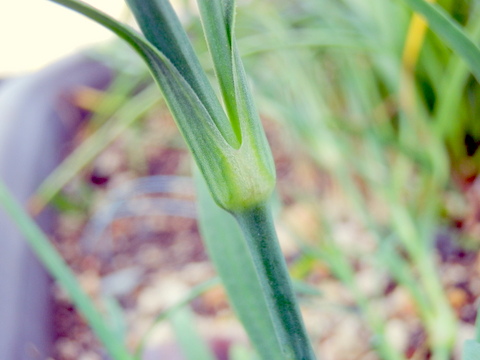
259, 232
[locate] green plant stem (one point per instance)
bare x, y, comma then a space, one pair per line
259, 231
57, 267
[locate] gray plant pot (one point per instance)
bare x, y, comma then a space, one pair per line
36, 122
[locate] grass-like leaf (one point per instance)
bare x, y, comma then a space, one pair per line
166, 314
192, 344
450, 31
162, 28
218, 28
60, 271
91, 147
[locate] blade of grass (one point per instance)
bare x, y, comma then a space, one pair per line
90, 148
450, 92
193, 294
115, 317
414, 41
119, 91
192, 345
60, 271
450, 31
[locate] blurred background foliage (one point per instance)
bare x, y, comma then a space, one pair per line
373, 123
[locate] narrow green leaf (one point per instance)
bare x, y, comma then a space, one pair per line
190, 341
229, 11
60, 271
193, 294
130, 112
450, 92
450, 31
161, 27
116, 317
228, 251
218, 22
218, 33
